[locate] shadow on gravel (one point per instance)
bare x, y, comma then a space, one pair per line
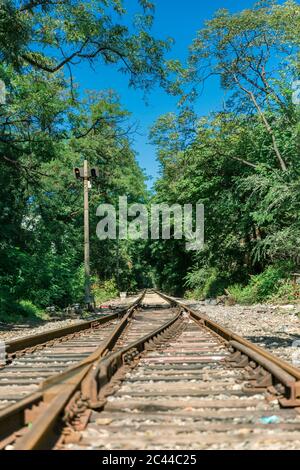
273, 341
24, 325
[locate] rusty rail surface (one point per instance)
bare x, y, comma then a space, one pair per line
104, 371
87, 378
279, 370
19, 346
43, 408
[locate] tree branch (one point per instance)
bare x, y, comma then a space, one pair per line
265, 122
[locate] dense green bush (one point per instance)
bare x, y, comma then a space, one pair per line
273, 285
205, 283
267, 286
29, 310
11, 312
104, 290
287, 292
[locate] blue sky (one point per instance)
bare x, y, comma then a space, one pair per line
179, 19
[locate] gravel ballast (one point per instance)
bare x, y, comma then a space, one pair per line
9, 332
275, 327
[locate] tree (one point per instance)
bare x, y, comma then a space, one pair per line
242, 162
252, 51
46, 125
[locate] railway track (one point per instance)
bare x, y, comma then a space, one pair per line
30, 360
169, 376
48, 367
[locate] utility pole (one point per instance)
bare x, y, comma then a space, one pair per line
87, 273
85, 174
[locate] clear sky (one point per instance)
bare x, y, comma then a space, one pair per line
179, 19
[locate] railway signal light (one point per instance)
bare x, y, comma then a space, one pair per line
94, 172
91, 173
78, 172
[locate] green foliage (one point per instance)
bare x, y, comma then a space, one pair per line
269, 285
287, 292
48, 36
105, 290
205, 283
47, 126
30, 310
24, 310
241, 163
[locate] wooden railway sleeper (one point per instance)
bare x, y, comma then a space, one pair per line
43, 409
10, 357
110, 370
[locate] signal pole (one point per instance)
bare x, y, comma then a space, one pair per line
87, 273
86, 174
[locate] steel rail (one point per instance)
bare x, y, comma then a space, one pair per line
89, 378
43, 408
286, 373
108, 366
21, 345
